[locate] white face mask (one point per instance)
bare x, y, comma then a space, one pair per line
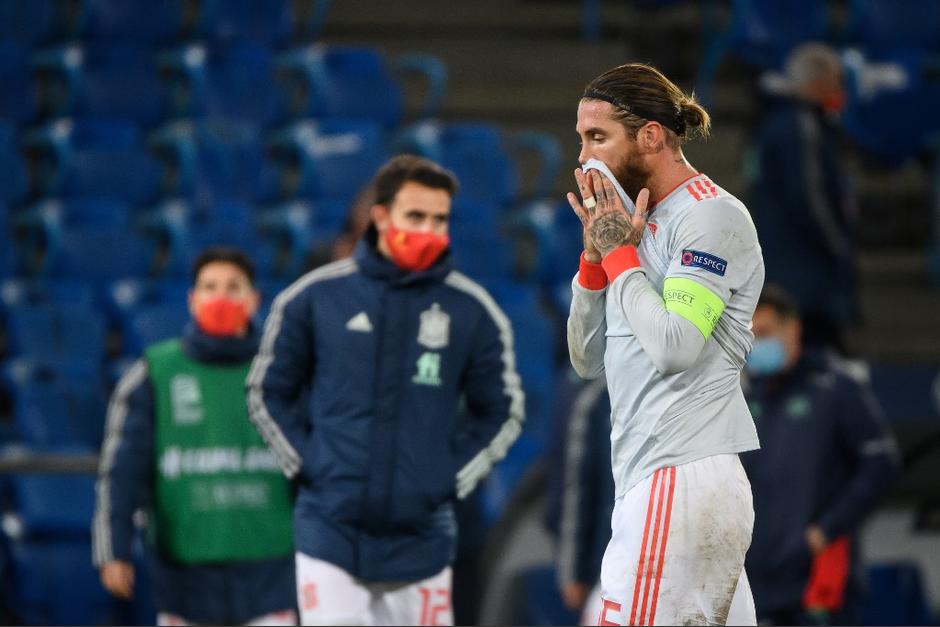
600, 166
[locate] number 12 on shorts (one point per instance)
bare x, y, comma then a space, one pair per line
433, 604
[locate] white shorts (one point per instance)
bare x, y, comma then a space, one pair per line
328, 595
676, 553
284, 617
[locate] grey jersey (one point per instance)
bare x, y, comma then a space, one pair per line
675, 393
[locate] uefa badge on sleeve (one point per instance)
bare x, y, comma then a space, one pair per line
434, 332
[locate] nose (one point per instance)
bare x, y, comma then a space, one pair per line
584, 155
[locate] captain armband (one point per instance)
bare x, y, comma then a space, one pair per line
694, 302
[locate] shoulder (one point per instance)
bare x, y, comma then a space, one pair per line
162, 350
336, 271
707, 207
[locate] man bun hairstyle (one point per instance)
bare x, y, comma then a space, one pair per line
404, 168
643, 94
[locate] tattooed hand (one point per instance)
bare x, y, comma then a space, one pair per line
607, 225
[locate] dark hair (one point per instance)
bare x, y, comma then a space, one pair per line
642, 94
224, 254
779, 300
404, 168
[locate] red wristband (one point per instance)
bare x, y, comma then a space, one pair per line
591, 276
620, 260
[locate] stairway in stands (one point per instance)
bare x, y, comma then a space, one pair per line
523, 63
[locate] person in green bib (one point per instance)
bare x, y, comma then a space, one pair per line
179, 446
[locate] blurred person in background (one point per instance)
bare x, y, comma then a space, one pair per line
581, 496
662, 304
800, 195
386, 385
180, 445
826, 459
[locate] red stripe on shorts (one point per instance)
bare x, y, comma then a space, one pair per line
642, 562
651, 564
671, 473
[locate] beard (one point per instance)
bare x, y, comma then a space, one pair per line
632, 175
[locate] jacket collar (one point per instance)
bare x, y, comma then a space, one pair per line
229, 350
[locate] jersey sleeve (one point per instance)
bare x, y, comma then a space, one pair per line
714, 253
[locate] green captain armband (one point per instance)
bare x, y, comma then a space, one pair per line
694, 302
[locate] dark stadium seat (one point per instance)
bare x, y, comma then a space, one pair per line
498, 488
14, 181
896, 596
26, 292
32, 22
120, 20
153, 323
335, 158
98, 254
51, 579
84, 157
481, 253
65, 213
53, 332
476, 152
18, 97
268, 22
346, 82
884, 25
538, 599
209, 159
107, 80
56, 404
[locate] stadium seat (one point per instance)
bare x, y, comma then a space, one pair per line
475, 152
82, 157
884, 25
98, 254
56, 405
18, 98
25, 292
120, 20
334, 158
498, 488
65, 213
212, 159
342, 82
896, 596
14, 181
107, 80
29, 23
153, 323
268, 22
50, 332
52, 580
480, 253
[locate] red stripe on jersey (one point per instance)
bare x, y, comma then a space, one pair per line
651, 565
701, 187
711, 186
642, 562
693, 192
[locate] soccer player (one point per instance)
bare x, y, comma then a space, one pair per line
662, 305
357, 387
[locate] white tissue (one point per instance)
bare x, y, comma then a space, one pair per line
600, 166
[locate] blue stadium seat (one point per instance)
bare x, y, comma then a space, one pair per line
336, 158
49, 332
153, 323
498, 488
52, 580
82, 157
58, 405
214, 159
121, 20
32, 22
330, 215
477, 154
268, 22
18, 97
107, 80
64, 213
15, 292
99, 254
764, 31
14, 182
481, 253
539, 601
342, 82
896, 596
885, 25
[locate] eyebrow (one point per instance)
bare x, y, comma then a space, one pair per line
591, 131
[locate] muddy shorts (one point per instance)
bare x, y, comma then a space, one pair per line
676, 554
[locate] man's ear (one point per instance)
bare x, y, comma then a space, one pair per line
650, 136
381, 217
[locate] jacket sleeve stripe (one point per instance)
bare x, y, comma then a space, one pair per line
287, 456
571, 494
482, 463
102, 547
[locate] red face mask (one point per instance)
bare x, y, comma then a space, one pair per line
414, 251
222, 317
